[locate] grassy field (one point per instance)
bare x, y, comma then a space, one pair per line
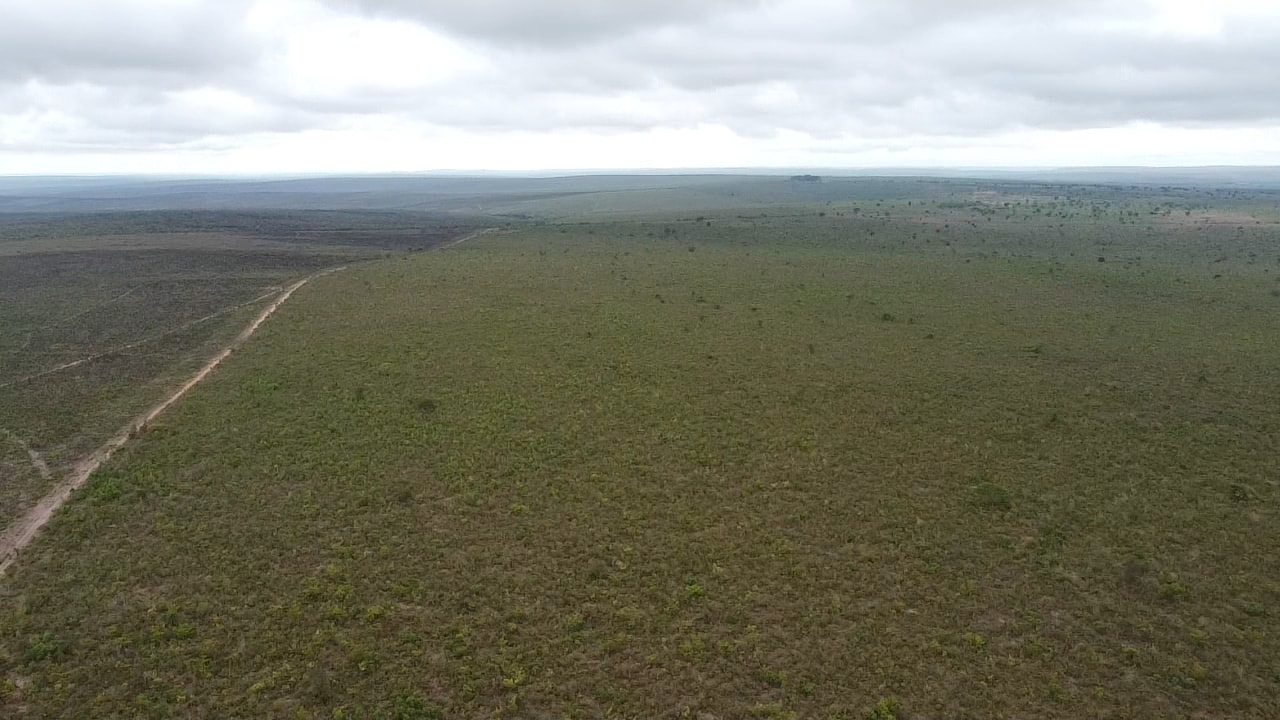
845, 458
100, 315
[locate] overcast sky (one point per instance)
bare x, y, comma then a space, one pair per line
296, 86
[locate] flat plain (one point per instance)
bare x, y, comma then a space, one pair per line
100, 315
899, 450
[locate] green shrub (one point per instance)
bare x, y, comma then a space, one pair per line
413, 707
991, 496
45, 647
885, 709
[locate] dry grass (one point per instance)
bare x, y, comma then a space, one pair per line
763, 468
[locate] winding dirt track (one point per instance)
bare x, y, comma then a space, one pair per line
23, 530
136, 343
37, 460
17, 536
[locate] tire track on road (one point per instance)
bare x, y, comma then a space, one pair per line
19, 535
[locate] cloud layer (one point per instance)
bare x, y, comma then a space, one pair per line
232, 85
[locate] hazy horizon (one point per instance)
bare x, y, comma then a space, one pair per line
565, 172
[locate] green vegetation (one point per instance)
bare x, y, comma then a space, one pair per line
860, 458
100, 315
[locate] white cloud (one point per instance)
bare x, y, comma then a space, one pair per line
375, 85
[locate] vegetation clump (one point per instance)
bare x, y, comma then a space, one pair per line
644, 506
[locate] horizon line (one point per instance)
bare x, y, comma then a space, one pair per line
571, 172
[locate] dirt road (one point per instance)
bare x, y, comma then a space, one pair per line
20, 534
23, 530
136, 343
466, 237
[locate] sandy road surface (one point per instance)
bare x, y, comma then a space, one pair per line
20, 534
23, 530
136, 343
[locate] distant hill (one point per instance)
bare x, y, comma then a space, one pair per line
493, 194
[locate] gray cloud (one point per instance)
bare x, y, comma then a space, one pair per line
119, 42
560, 24
128, 74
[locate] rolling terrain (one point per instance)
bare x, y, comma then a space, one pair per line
100, 315
892, 450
